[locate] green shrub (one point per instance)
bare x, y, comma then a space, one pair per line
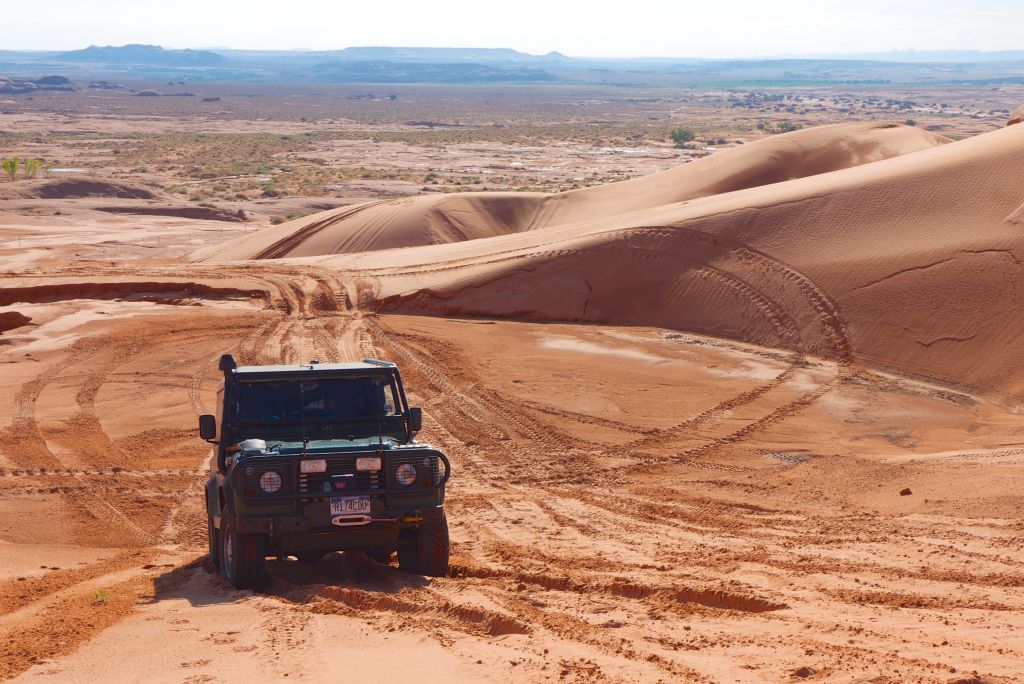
10, 167
681, 136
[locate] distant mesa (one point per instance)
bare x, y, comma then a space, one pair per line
52, 80
433, 55
417, 72
147, 93
1017, 116
142, 54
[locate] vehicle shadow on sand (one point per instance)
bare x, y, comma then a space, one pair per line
199, 584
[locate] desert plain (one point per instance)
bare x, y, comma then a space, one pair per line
747, 410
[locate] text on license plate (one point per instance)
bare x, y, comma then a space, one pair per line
350, 505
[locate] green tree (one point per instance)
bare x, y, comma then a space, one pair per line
788, 126
910, 122
681, 136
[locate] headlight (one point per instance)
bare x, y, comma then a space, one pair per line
405, 474
313, 466
368, 463
270, 482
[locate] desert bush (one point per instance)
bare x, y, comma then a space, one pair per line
788, 126
31, 167
277, 220
910, 122
10, 167
681, 136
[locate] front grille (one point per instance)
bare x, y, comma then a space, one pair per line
341, 477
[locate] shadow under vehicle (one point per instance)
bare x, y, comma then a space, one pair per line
317, 458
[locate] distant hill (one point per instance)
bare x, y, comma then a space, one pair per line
397, 64
404, 72
441, 55
141, 54
924, 56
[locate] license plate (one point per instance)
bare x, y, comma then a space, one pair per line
350, 505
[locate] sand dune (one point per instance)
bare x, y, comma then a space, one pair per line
440, 219
911, 264
1017, 116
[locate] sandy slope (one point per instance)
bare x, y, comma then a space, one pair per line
736, 516
439, 219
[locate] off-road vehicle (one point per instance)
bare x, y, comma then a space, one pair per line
318, 458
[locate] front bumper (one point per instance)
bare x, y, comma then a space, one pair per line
295, 534
316, 518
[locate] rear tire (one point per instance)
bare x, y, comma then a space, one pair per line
243, 561
425, 550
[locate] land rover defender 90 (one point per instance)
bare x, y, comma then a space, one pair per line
317, 458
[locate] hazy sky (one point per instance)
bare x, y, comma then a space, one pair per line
627, 28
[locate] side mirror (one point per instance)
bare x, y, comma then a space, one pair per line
415, 418
208, 426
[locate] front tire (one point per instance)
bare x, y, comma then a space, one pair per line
243, 561
310, 557
213, 542
382, 556
425, 550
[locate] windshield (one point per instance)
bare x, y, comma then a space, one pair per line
312, 402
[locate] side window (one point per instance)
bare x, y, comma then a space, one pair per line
390, 405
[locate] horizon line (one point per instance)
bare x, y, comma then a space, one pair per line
773, 57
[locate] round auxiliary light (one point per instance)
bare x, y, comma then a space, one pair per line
270, 482
405, 474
